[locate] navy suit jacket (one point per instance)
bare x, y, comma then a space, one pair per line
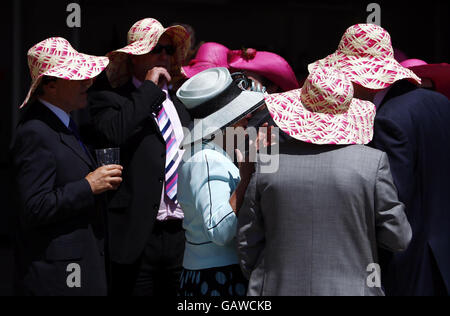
59, 222
413, 128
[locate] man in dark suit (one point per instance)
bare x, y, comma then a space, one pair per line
60, 232
145, 119
412, 127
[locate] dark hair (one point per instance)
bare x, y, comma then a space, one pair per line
44, 81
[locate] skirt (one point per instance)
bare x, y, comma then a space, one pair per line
224, 282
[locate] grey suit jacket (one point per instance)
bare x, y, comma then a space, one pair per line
313, 227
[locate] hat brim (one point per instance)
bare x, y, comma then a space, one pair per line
352, 127
244, 104
191, 71
270, 66
439, 74
435, 72
119, 71
80, 67
371, 73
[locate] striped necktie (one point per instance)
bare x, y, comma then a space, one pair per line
171, 154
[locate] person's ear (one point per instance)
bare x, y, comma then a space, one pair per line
50, 88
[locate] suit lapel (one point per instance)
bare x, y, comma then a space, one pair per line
71, 141
41, 112
127, 90
91, 158
183, 114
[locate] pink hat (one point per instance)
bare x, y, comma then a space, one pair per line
366, 56
55, 57
324, 111
409, 63
439, 74
143, 36
266, 64
209, 55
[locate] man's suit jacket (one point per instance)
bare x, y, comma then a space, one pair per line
313, 227
413, 128
59, 220
123, 118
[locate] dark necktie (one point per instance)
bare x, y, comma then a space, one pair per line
74, 129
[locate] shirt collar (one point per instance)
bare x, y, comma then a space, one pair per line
136, 82
63, 116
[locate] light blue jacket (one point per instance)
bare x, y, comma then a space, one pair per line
206, 182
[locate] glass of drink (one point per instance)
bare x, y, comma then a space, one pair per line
108, 156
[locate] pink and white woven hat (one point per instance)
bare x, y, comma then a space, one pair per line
365, 54
324, 111
143, 36
55, 57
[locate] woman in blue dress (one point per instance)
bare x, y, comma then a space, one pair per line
210, 186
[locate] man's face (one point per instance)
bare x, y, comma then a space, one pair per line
72, 94
142, 64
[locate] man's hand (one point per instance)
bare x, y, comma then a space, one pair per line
159, 76
246, 167
246, 170
266, 138
105, 178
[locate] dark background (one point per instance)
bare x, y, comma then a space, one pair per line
300, 31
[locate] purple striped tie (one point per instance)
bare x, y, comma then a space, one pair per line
171, 154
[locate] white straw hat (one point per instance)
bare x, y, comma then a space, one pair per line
215, 101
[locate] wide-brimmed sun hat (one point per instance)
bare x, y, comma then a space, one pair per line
266, 64
143, 37
365, 54
324, 111
55, 57
215, 101
439, 74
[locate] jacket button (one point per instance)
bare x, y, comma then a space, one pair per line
161, 180
156, 208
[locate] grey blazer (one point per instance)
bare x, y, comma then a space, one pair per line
313, 227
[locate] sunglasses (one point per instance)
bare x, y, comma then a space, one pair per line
170, 49
245, 83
